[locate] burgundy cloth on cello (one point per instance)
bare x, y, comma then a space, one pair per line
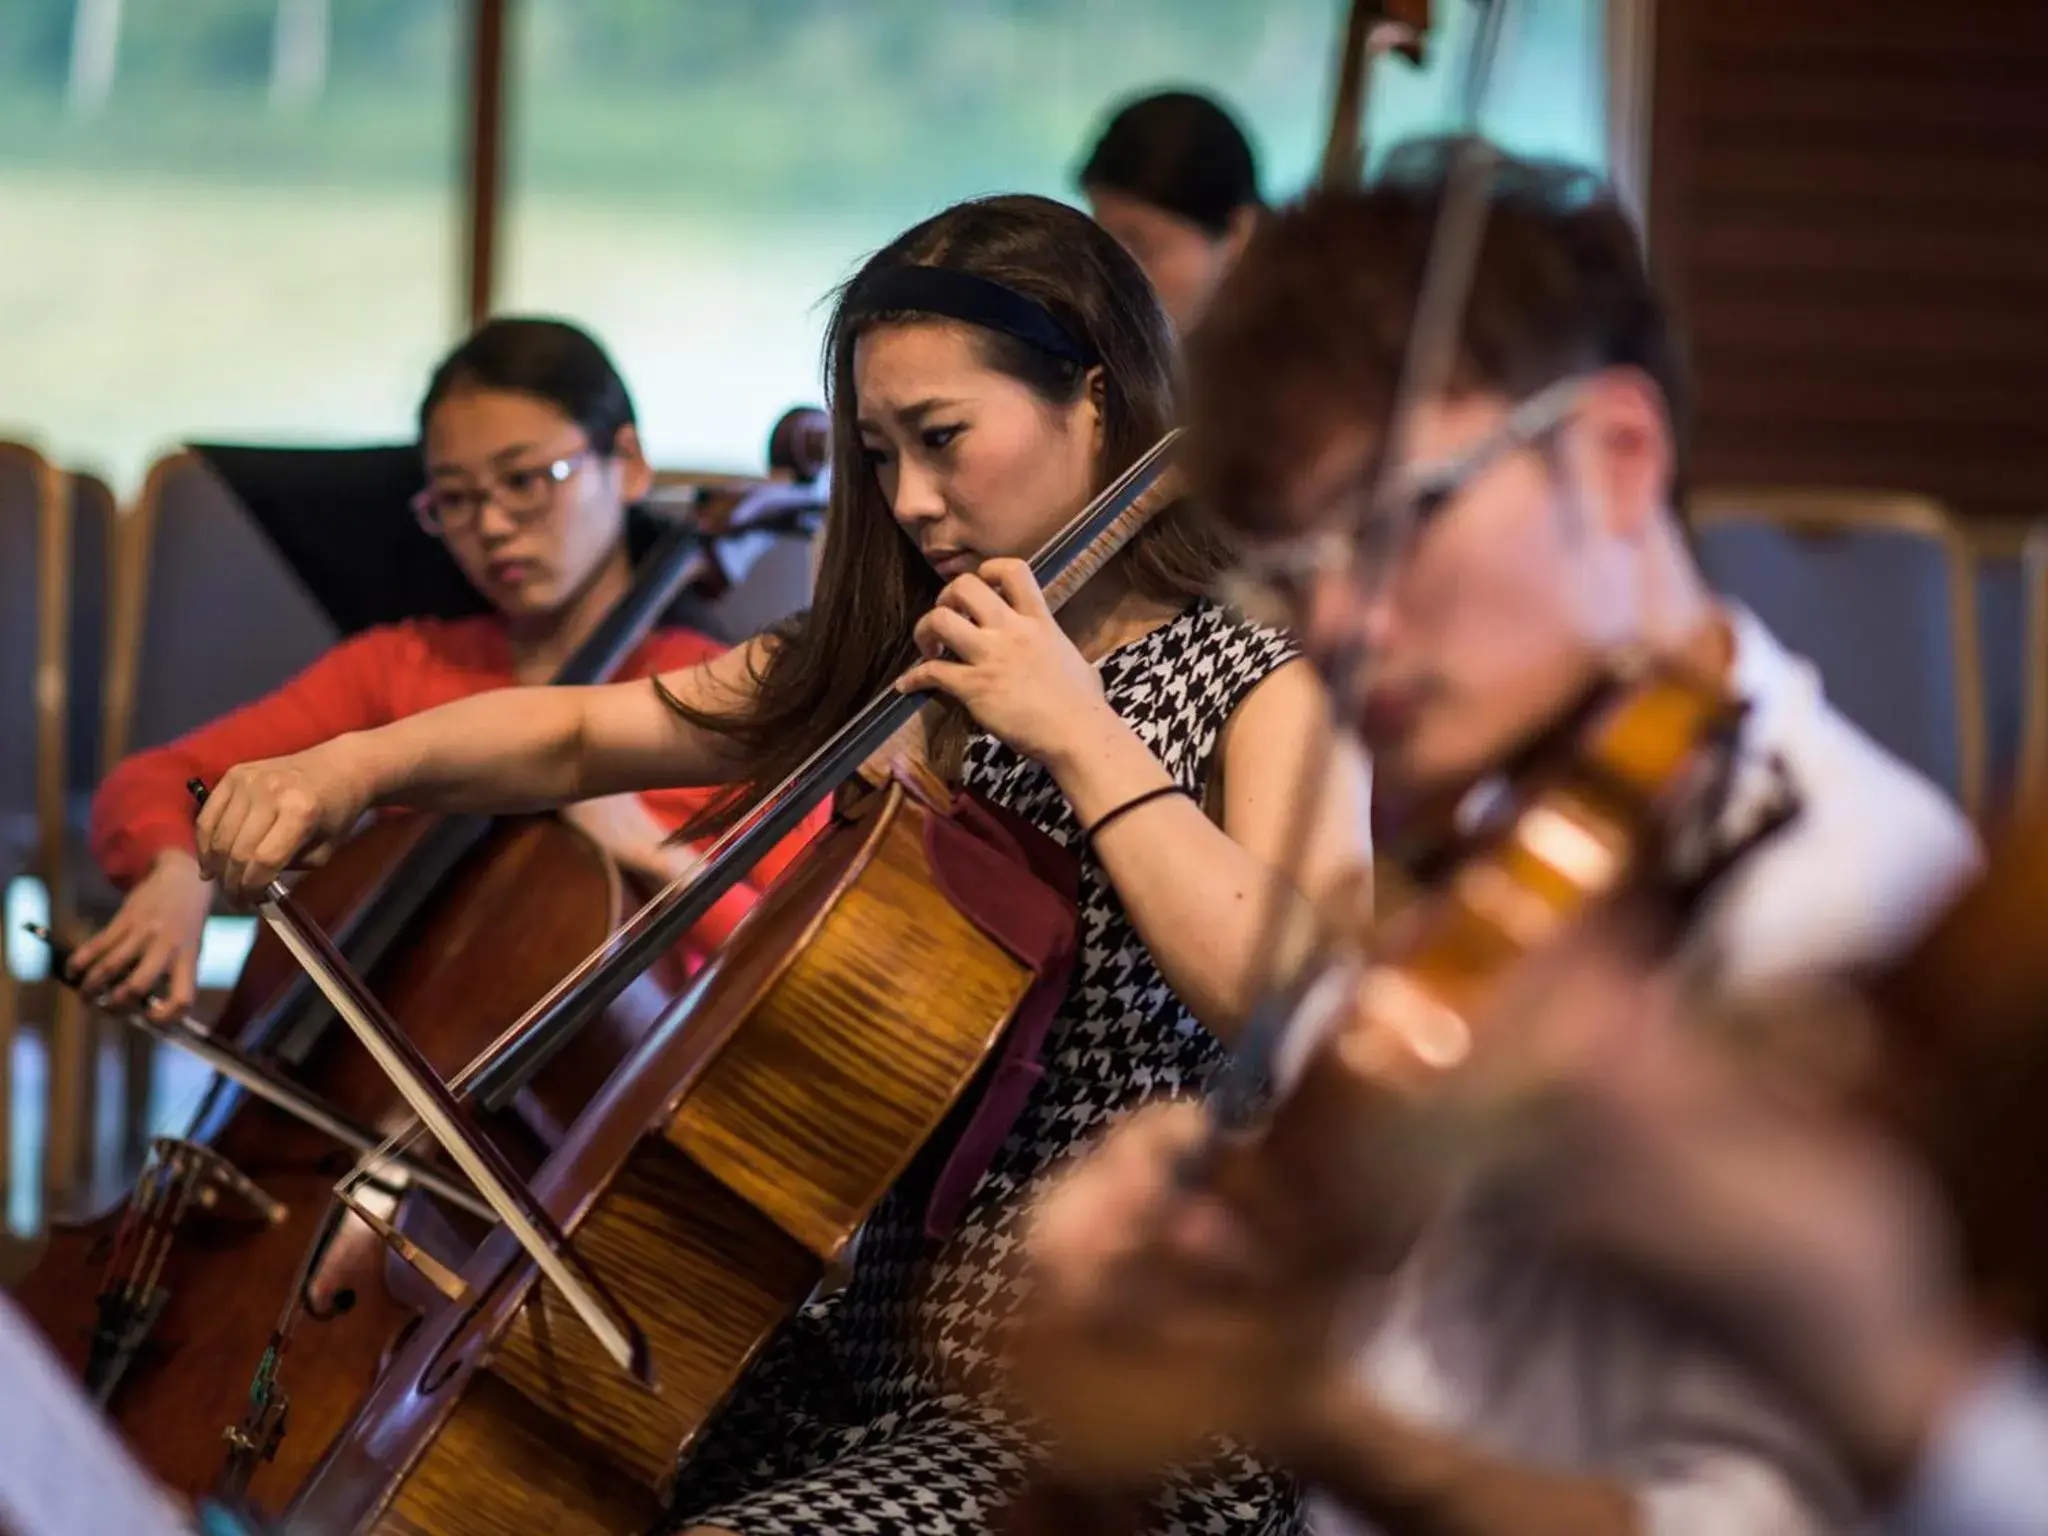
1022, 889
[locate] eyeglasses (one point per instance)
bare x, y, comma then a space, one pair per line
523, 494
1272, 585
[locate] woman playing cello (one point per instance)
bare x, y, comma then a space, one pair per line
532, 457
990, 370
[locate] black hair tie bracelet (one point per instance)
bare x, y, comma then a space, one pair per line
1091, 833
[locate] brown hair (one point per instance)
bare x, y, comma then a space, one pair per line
873, 585
1306, 334
551, 360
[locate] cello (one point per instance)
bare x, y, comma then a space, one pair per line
167, 1303
918, 947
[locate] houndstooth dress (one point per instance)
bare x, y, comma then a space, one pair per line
874, 1410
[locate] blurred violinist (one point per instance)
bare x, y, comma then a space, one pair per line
992, 370
1726, 1178
532, 457
1721, 1161
1475, 1376
1173, 178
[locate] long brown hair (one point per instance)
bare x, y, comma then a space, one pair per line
873, 585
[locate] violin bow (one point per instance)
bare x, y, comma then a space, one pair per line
1386, 516
450, 1123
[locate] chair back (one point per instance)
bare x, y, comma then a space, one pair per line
2033, 770
1879, 591
1998, 550
35, 580
207, 616
35, 597
95, 518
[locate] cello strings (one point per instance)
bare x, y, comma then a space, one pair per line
1064, 562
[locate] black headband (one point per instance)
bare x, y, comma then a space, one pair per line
959, 295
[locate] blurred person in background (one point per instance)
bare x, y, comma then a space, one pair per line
1174, 179
532, 457
1463, 1372
1708, 1154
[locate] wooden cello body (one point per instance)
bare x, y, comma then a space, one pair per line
718, 1178
919, 946
216, 1235
170, 1305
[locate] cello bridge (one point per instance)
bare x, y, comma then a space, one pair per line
179, 1180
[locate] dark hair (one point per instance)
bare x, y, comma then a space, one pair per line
1308, 330
873, 585
1180, 152
551, 360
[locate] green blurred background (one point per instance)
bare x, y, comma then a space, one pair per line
250, 225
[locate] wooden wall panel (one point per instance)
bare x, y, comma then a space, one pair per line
1850, 200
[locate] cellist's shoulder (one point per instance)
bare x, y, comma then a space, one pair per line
1282, 718
1274, 742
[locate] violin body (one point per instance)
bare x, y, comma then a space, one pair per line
718, 1178
1587, 815
219, 1227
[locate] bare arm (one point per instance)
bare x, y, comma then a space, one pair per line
1197, 892
517, 749
512, 749
1200, 894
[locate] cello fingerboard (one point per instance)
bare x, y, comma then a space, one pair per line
1161, 494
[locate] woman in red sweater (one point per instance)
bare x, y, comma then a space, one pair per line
532, 458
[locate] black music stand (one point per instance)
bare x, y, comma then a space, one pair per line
342, 519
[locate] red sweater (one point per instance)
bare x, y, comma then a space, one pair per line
382, 675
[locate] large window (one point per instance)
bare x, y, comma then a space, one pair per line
223, 217
242, 217
693, 177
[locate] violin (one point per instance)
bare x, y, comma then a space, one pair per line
1370, 30
1606, 806
176, 1305
886, 993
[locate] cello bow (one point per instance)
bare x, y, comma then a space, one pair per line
451, 1124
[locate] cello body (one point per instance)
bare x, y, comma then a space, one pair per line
172, 1304
217, 1230
721, 1174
